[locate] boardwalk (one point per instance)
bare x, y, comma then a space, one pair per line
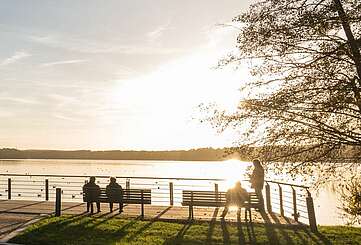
15, 213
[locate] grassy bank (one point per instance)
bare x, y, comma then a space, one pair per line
90, 230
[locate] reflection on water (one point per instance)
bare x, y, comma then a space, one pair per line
231, 170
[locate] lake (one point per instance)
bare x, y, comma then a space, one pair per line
325, 200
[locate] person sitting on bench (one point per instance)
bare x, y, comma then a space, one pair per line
114, 193
92, 192
235, 196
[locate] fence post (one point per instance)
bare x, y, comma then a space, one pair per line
216, 192
9, 188
127, 187
294, 199
142, 206
58, 202
191, 215
268, 198
311, 212
171, 197
282, 211
46, 190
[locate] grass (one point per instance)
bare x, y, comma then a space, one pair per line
91, 230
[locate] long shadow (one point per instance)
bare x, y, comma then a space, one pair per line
270, 231
16, 225
240, 234
282, 231
24, 206
179, 237
74, 206
212, 223
147, 225
296, 229
78, 223
225, 232
317, 236
251, 235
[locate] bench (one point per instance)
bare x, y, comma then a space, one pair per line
130, 196
216, 199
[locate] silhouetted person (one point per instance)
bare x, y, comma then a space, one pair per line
235, 196
257, 180
115, 194
92, 192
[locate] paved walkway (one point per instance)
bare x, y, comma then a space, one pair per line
16, 213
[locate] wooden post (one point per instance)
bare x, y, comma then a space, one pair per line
171, 195
58, 202
46, 190
268, 198
282, 211
142, 206
127, 187
191, 207
294, 199
311, 212
216, 192
9, 188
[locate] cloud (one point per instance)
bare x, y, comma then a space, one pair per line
18, 55
20, 100
100, 47
157, 33
63, 62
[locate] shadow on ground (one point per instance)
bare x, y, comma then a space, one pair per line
109, 228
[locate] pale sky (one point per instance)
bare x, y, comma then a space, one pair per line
125, 74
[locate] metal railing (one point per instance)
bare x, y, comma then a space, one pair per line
289, 200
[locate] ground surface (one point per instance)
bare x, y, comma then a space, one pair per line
110, 229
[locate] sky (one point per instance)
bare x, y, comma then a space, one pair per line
126, 74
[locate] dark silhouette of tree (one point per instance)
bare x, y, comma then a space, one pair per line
304, 94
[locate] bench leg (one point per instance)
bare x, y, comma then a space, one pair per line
111, 206
191, 216
91, 208
120, 207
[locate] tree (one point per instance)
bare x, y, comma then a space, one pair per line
305, 95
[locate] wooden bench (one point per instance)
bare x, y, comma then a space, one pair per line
130, 196
216, 199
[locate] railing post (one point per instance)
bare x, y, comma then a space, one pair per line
311, 212
282, 211
58, 202
171, 197
127, 187
9, 188
216, 192
191, 215
294, 199
268, 198
142, 206
46, 190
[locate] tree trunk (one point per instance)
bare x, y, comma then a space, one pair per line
350, 37
354, 50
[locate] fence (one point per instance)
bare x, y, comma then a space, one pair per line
288, 200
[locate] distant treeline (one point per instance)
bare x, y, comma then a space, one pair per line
202, 154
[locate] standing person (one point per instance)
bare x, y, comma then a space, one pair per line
91, 194
235, 196
115, 194
257, 180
